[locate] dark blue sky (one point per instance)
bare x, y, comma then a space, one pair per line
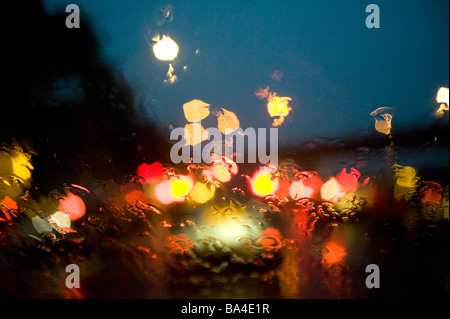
336, 70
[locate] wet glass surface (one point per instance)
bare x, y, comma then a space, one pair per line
87, 178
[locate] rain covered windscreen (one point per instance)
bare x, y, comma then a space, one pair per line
225, 149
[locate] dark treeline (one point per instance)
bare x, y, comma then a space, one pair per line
62, 102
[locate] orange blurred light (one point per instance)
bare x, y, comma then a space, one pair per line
262, 184
270, 239
132, 192
135, 195
174, 190
334, 253
432, 193
73, 206
9, 203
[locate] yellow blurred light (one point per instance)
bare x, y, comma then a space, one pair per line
383, 119
331, 191
406, 176
222, 170
443, 98
60, 219
181, 187
166, 49
201, 193
262, 184
227, 122
278, 106
21, 171
174, 190
170, 77
407, 182
21, 165
195, 110
230, 231
221, 173
194, 133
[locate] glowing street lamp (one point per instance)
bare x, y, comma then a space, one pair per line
442, 97
165, 49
